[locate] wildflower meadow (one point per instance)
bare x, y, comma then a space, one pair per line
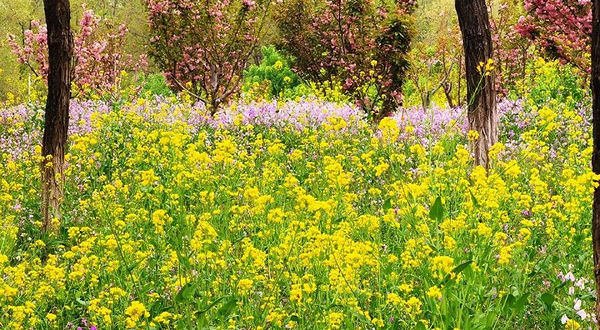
297, 180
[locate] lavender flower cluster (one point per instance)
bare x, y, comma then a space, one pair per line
21, 126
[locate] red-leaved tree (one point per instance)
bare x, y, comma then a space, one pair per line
98, 57
204, 47
363, 44
561, 27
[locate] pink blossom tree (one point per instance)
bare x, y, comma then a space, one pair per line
561, 27
203, 47
98, 58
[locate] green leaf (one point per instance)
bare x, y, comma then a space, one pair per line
473, 199
437, 210
387, 204
491, 319
185, 293
211, 305
183, 260
510, 300
520, 304
133, 266
457, 270
548, 299
420, 326
227, 308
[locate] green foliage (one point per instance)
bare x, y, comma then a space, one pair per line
155, 84
273, 73
550, 80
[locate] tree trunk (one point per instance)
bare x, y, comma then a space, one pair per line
481, 96
596, 153
60, 49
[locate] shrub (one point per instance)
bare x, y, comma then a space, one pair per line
549, 80
156, 84
273, 71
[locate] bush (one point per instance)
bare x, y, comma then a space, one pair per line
273, 71
156, 84
552, 80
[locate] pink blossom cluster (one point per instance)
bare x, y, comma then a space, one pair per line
561, 27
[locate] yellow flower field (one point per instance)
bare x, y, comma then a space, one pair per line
339, 226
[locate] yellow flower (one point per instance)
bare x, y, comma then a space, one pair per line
572, 325
434, 292
244, 285
473, 136
135, 312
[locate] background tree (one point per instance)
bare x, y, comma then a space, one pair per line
18, 16
60, 50
512, 51
204, 47
481, 95
596, 153
437, 65
362, 44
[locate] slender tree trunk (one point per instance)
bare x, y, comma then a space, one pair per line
481, 96
596, 154
60, 49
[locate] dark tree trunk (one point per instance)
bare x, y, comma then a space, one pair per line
481, 96
596, 153
60, 49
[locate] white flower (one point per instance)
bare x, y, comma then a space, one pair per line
571, 290
570, 277
564, 319
577, 305
582, 314
581, 283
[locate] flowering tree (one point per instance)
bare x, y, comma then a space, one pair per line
98, 59
561, 27
364, 44
203, 47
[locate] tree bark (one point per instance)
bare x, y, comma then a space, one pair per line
481, 96
595, 82
60, 51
